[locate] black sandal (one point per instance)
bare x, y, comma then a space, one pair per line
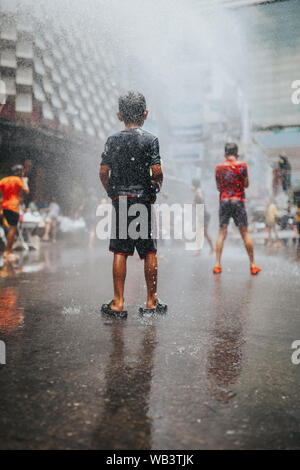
108, 311
161, 308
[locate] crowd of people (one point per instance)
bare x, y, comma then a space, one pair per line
121, 177
45, 216
275, 222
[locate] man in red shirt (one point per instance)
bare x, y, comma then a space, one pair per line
12, 188
232, 179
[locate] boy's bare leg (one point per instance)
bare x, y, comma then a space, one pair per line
10, 241
248, 244
119, 275
151, 279
220, 243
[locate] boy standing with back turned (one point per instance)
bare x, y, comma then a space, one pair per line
131, 174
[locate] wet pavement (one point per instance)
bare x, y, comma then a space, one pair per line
214, 373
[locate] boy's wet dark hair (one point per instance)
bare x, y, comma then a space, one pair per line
17, 170
132, 107
231, 149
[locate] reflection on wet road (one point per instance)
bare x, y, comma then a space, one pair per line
11, 317
224, 361
127, 393
216, 372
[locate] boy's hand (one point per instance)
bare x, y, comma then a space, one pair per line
156, 186
157, 177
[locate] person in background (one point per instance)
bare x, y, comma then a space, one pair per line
88, 210
199, 199
33, 206
12, 188
27, 167
27, 173
232, 180
270, 219
292, 216
298, 220
51, 221
2, 95
285, 170
43, 206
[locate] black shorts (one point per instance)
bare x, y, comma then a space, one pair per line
132, 228
11, 217
235, 209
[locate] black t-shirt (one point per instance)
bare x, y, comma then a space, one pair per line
130, 155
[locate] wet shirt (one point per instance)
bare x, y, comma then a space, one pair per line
230, 176
129, 155
11, 188
53, 210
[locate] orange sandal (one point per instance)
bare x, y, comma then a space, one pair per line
255, 270
217, 269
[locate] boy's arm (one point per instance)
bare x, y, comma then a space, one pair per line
104, 176
157, 176
246, 177
105, 166
217, 174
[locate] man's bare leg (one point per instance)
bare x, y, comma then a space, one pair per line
54, 224
277, 239
269, 239
47, 231
248, 244
119, 275
220, 243
209, 240
10, 241
91, 238
151, 279
198, 239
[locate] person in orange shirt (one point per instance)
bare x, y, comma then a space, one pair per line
12, 188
